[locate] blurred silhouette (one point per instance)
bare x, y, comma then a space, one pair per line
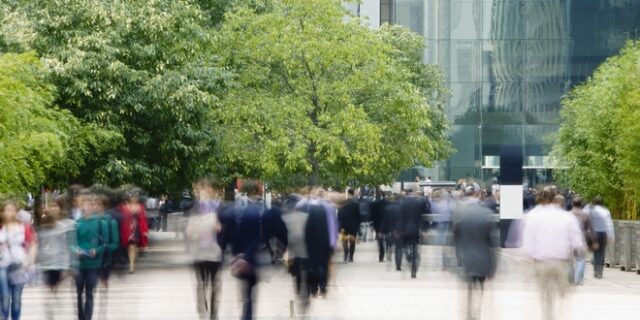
550, 237
55, 235
474, 231
202, 231
349, 219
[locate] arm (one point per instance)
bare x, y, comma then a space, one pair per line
31, 244
114, 237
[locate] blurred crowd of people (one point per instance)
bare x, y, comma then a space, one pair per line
81, 234
85, 232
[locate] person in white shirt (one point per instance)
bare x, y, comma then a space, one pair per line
603, 228
551, 235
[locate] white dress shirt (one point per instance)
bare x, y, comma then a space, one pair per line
551, 233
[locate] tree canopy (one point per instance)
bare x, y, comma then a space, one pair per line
320, 98
159, 92
140, 69
599, 139
40, 145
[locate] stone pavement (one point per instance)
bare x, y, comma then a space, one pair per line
163, 288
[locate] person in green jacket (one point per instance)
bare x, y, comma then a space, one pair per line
91, 233
113, 240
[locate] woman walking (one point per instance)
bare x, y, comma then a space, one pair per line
134, 229
18, 249
56, 235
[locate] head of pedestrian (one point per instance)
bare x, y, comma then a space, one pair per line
251, 188
205, 189
576, 202
53, 210
471, 192
559, 200
9, 212
133, 199
86, 201
101, 203
597, 200
545, 196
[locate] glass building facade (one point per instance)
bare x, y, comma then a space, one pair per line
508, 63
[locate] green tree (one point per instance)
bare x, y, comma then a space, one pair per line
40, 145
320, 98
599, 137
141, 70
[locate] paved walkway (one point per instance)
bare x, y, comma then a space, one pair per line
163, 288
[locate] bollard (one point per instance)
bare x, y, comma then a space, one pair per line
626, 246
637, 249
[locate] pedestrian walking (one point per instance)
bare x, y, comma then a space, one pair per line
246, 244
378, 208
202, 231
91, 232
18, 254
550, 237
584, 221
474, 237
409, 233
295, 220
134, 229
56, 236
604, 234
349, 221
112, 243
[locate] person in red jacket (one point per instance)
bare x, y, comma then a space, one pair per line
134, 229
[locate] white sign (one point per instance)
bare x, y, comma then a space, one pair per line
511, 202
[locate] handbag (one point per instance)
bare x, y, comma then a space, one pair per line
19, 275
241, 268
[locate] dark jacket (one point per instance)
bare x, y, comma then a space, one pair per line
390, 216
317, 236
474, 236
410, 218
349, 217
377, 213
247, 231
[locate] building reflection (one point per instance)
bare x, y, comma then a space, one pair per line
508, 63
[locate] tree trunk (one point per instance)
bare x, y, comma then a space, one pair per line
314, 177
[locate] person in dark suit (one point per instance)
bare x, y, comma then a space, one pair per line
246, 242
318, 245
377, 214
349, 220
408, 228
475, 239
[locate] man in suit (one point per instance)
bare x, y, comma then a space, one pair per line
474, 235
410, 220
349, 220
377, 215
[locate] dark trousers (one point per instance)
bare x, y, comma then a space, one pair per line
349, 246
317, 278
408, 246
86, 282
599, 255
248, 289
299, 272
206, 277
384, 245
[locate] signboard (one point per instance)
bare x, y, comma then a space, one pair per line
511, 202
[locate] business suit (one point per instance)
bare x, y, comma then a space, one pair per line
474, 240
408, 229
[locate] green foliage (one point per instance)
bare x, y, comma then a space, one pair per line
39, 145
320, 95
599, 139
141, 70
